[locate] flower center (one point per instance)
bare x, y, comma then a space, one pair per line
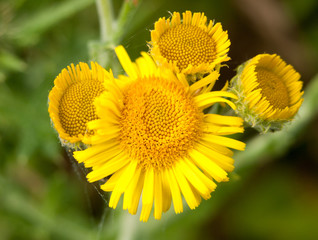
76, 107
187, 44
273, 88
159, 123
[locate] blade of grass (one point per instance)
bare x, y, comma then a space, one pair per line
28, 31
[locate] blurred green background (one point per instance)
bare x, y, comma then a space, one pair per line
273, 193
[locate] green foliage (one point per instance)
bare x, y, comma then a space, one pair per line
28, 29
32, 175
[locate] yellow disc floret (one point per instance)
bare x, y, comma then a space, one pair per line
187, 44
190, 45
76, 107
159, 124
273, 88
269, 92
153, 139
71, 101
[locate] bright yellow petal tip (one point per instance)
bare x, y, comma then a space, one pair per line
71, 100
191, 45
269, 92
153, 138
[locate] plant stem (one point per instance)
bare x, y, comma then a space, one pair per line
106, 18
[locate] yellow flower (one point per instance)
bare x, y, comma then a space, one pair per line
152, 137
71, 100
269, 92
190, 46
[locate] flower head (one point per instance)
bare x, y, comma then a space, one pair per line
269, 92
190, 46
71, 100
152, 137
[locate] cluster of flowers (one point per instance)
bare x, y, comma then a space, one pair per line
147, 131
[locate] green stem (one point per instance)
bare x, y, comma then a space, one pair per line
99, 50
112, 31
126, 14
106, 18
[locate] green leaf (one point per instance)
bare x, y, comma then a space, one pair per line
9, 61
28, 31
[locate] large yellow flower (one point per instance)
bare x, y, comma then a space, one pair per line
71, 100
152, 137
190, 46
269, 92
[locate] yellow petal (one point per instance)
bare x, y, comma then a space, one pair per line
175, 191
206, 164
228, 142
147, 195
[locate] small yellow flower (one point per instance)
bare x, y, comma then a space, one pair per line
153, 138
190, 46
269, 92
71, 100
